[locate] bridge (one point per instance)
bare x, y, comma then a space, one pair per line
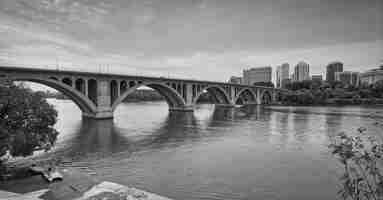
99, 94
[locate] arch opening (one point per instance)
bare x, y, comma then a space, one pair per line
92, 90
266, 98
174, 86
213, 94
113, 91
154, 91
245, 97
80, 85
123, 86
132, 84
67, 81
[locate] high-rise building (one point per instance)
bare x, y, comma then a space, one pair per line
235, 80
331, 69
278, 77
301, 71
282, 73
348, 78
257, 75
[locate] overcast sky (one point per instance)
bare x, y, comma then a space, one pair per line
203, 39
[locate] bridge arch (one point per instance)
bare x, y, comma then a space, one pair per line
172, 97
247, 92
266, 97
85, 105
218, 93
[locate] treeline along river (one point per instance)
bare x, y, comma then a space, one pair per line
213, 153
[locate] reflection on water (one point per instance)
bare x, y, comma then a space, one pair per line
213, 153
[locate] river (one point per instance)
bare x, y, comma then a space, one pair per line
213, 153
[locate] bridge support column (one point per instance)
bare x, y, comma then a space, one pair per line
104, 110
188, 107
232, 95
259, 98
273, 97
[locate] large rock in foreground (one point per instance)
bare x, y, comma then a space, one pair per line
79, 186
113, 191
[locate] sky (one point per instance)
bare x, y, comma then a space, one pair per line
199, 39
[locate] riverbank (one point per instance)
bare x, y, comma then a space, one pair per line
77, 185
337, 102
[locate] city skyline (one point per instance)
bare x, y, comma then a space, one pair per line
184, 38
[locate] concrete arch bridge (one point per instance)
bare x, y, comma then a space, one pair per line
98, 94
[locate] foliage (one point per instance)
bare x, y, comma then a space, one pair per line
332, 93
26, 121
377, 88
362, 160
264, 84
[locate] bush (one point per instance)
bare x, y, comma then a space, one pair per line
26, 122
362, 160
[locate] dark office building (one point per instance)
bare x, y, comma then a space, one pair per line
331, 69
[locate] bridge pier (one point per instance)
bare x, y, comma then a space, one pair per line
251, 103
98, 115
182, 109
225, 105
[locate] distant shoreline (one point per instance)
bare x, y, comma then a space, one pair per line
341, 102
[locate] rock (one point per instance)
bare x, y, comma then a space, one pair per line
54, 175
114, 191
80, 186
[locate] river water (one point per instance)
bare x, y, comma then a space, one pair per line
213, 153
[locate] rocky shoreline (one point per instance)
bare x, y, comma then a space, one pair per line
79, 186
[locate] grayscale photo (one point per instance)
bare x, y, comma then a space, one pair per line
191, 100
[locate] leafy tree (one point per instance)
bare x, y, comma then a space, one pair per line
377, 88
337, 84
264, 84
305, 97
26, 121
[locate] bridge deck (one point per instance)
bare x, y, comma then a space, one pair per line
71, 72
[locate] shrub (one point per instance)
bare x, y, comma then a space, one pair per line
362, 161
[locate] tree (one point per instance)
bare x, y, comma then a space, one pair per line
26, 121
377, 88
264, 84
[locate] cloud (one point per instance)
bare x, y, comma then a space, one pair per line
203, 38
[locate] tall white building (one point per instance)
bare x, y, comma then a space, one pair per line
282, 74
301, 71
256, 75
